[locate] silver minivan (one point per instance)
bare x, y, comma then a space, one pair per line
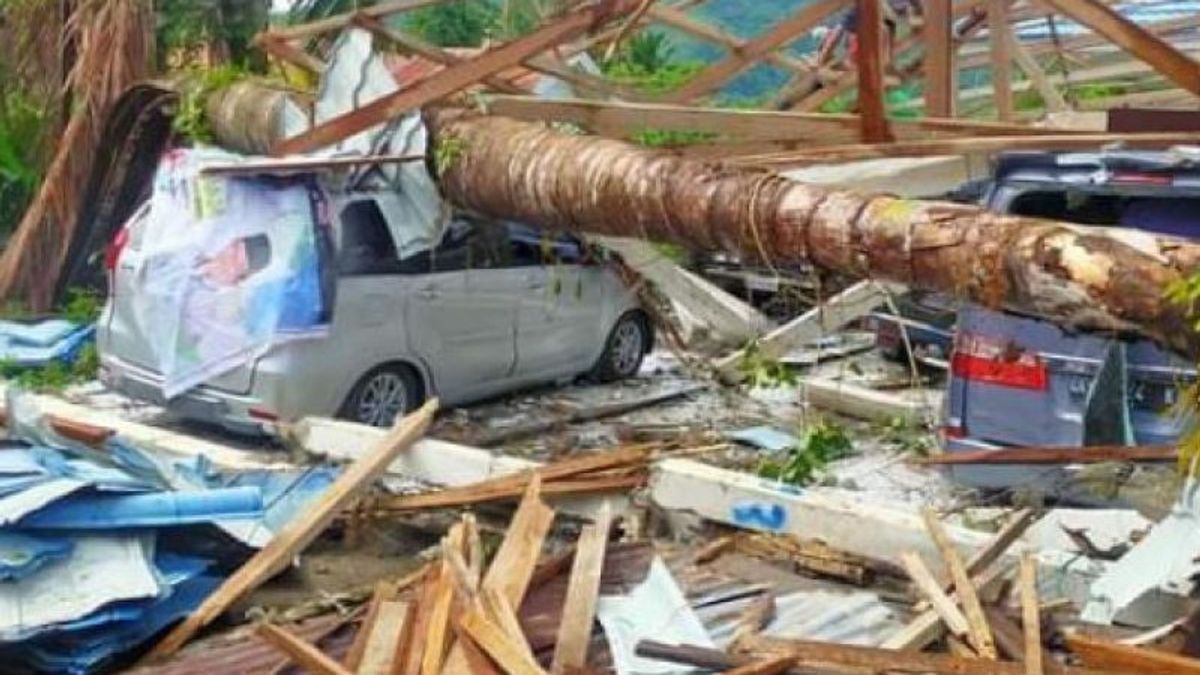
494, 307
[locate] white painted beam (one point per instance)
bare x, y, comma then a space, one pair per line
727, 316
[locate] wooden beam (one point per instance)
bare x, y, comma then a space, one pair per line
1058, 455
767, 666
1101, 654
979, 633
284, 50
983, 58
431, 52
583, 589
782, 33
619, 119
965, 146
941, 75
412, 654
313, 660
302, 530
871, 62
1051, 97
925, 582
1032, 623
430, 89
1001, 71
1141, 43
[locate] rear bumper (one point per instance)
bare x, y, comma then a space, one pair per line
230, 411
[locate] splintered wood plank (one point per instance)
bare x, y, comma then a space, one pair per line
579, 608
514, 563
1051, 97
501, 613
871, 91
998, 18
497, 644
383, 641
980, 634
298, 533
1113, 656
932, 590
436, 632
411, 656
1029, 615
305, 655
383, 592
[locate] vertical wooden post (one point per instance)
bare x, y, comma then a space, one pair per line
870, 72
941, 75
998, 19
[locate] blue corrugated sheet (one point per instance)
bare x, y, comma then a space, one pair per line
37, 343
101, 550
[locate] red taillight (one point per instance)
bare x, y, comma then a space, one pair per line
1137, 178
981, 359
112, 254
263, 414
951, 432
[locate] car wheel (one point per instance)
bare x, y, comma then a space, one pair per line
627, 345
382, 395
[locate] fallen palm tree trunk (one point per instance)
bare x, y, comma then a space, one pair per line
1093, 278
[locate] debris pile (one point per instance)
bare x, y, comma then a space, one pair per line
103, 544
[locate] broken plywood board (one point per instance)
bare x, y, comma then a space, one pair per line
864, 403
727, 316
852, 303
872, 530
436, 462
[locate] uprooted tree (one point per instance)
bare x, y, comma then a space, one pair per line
1093, 278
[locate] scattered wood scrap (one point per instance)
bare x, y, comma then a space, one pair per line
300, 532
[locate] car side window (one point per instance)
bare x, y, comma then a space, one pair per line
471, 243
366, 245
531, 247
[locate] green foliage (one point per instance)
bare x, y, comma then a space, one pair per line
761, 371
22, 132
906, 434
191, 121
670, 138
648, 51
187, 24
460, 23
822, 443
645, 62
1186, 292
83, 306
449, 150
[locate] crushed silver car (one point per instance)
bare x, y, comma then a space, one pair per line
494, 307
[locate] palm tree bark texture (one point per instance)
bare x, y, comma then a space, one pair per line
1105, 279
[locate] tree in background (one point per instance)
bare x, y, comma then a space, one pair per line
210, 31
461, 23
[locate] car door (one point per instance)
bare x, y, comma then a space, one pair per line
461, 315
559, 307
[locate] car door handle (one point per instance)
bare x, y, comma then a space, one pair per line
428, 292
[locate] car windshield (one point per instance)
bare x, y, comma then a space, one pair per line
1178, 216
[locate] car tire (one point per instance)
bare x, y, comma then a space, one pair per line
628, 343
383, 394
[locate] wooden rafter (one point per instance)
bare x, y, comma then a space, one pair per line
941, 75
870, 63
1141, 43
449, 81
999, 38
676, 18
782, 33
339, 21
1051, 97
619, 119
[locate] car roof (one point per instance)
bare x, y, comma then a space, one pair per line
1170, 171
